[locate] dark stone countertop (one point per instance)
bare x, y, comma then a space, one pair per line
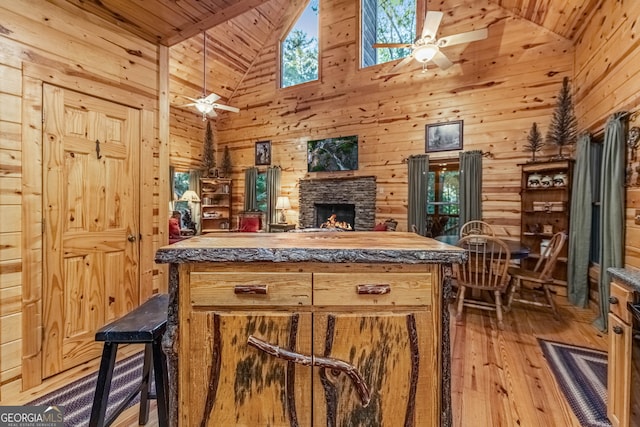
627, 276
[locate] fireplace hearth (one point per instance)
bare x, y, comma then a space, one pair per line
352, 199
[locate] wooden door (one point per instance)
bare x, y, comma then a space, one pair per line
91, 222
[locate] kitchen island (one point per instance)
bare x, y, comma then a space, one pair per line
309, 329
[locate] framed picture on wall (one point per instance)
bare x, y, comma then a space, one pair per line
443, 136
263, 153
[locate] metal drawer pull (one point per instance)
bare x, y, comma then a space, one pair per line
613, 300
250, 289
371, 289
617, 330
336, 365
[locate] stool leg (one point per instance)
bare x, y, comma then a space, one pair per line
146, 384
162, 383
103, 385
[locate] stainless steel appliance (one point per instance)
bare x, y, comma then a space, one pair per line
634, 415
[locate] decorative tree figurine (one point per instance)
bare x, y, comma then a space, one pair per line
208, 159
562, 130
225, 166
534, 141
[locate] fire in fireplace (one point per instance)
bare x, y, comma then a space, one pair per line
335, 215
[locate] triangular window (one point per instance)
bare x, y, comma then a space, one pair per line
299, 50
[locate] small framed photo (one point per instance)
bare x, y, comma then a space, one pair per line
443, 136
263, 153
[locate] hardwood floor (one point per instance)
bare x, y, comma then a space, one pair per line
499, 378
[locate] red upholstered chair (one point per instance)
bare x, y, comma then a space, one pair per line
250, 222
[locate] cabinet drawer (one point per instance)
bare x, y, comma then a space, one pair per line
250, 289
619, 296
366, 289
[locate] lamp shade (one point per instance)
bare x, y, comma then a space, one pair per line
190, 196
283, 203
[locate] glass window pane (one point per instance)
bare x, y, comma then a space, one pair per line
386, 21
261, 191
299, 51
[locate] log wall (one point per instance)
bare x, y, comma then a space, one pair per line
607, 79
41, 43
506, 83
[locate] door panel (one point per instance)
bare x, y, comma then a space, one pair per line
231, 383
390, 351
91, 214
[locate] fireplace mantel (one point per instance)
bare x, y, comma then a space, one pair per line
357, 190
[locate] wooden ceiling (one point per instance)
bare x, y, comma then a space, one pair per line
238, 29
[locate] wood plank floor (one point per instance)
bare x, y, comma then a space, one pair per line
499, 378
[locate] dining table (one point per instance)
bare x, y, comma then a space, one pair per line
517, 249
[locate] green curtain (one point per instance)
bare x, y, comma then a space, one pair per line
417, 198
172, 190
612, 209
580, 227
273, 191
470, 186
250, 196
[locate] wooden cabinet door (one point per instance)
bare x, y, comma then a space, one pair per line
390, 351
619, 372
230, 383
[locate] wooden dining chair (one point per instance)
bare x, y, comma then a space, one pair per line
476, 227
486, 270
539, 278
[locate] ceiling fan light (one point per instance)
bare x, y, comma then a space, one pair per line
204, 107
425, 52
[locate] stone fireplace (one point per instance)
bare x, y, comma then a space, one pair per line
341, 196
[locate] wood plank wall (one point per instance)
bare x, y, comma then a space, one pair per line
607, 79
505, 84
39, 42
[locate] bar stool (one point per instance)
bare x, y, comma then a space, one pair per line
144, 325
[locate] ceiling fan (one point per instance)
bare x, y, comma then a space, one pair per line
207, 103
427, 47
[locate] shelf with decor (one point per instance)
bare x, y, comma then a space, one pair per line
215, 199
545, 201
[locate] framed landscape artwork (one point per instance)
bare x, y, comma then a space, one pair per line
443, 136
263, 153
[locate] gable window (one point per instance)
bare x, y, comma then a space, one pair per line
386, 21
299, 50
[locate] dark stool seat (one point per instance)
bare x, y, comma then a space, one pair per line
144, 325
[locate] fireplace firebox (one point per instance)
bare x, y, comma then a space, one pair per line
335, 215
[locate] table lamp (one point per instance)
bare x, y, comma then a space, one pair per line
282, 204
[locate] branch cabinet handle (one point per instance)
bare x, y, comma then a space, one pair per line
371, 289
336, 365
251, 289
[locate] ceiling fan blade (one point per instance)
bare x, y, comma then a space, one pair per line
226, 107
211, 98
398, 45
467, 37
189, 98
191, 104
400, 64
212, 113
441, 60
431, 24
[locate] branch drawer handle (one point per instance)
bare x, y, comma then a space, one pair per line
371, 289
336, 365
251, 289
617, 330
613, 300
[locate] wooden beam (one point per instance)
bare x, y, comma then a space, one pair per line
238, 8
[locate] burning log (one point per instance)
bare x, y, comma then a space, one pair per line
332, 222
